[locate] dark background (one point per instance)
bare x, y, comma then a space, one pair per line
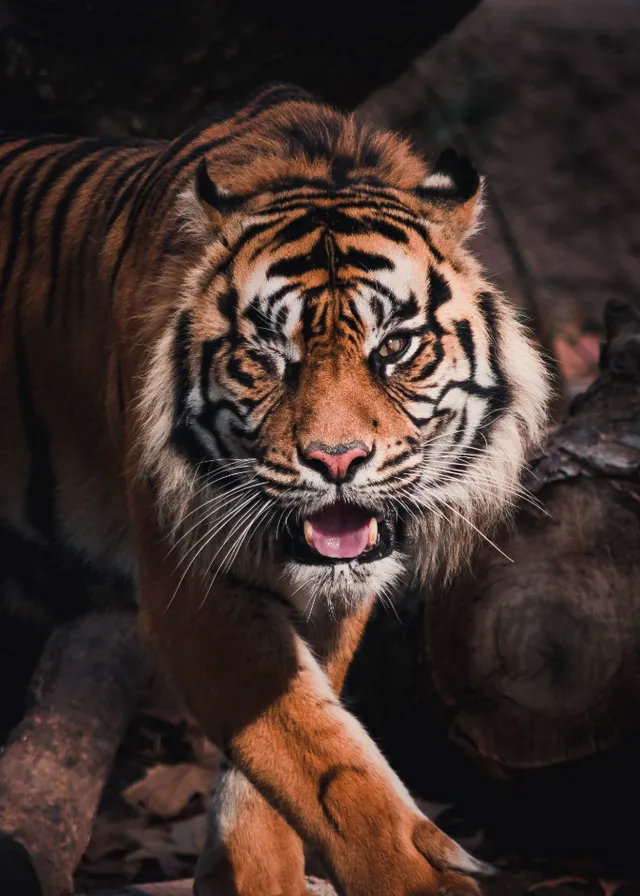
545, 97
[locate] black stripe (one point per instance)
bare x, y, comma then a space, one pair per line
374, 284
182, 436
15, 233
63, 163
86, 262
345, 200
301, 226
207, 419
396, 461
353, 320
278, 468
365, 261
181, 365
497, 396
377, 309
251, 232
385, 228
265, 328
325, 782
465, 338
461, 428
209, 350
23, 148
235, 372
500, 395
407, 309
281, 293
298, 265
439, 290
57, 226
263, 360
429, 368
126, 181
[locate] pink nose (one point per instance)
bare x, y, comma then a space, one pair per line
335, 462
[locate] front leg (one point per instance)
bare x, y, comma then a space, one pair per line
250, 849
258, 692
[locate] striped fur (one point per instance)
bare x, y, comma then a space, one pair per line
179, 320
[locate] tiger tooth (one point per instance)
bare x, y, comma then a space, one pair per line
373, 532
308, 532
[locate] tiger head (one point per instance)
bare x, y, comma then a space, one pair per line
348, 400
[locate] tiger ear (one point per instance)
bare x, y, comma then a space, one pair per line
203, 206
217, 199
452, 194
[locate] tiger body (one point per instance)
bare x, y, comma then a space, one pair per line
254, 378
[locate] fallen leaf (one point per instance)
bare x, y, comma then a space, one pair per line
109, 837
552, 882
608, 887
189, 836
611, 887
166, 790
432, 810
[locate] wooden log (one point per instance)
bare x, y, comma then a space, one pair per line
538, 660
55, 765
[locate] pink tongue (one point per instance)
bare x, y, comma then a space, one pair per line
340, 531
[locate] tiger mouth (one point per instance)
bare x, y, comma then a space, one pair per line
341, 533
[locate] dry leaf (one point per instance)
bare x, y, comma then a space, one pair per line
432, 810
611, 887
557, 882
189, 836
167, 789
608, 887
111, 836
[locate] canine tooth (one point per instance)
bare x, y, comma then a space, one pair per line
373, 532
308, 531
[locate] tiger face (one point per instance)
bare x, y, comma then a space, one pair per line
359, 398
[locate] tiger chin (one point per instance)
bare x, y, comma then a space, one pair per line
272, 385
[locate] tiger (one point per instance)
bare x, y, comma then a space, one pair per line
255, 379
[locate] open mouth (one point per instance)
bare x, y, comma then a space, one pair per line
340, 533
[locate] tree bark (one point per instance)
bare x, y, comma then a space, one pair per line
153, 68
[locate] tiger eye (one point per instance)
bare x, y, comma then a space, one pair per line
393, 347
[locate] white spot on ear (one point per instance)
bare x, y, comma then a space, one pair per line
438, 181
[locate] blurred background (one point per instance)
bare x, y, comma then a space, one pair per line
545, 97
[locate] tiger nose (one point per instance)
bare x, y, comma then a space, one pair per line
337, 463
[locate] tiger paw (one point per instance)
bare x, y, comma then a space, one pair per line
452, 869
425, 863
